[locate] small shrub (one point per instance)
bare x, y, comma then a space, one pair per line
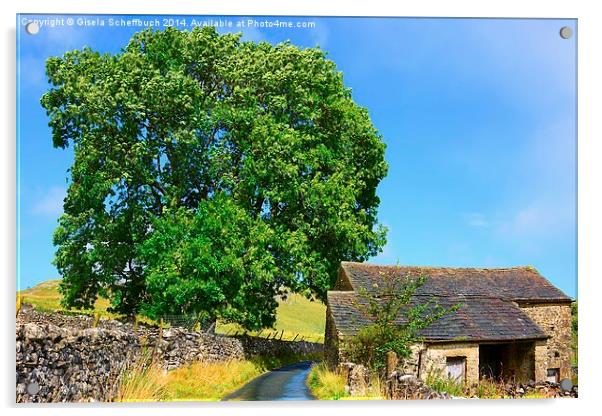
396, 321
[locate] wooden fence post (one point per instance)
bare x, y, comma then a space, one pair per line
391, 362
391, 382
96, 320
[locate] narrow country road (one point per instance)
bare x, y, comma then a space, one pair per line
285, 383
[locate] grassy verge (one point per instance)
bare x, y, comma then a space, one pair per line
330, 385
199, 381
210, 381
325, 384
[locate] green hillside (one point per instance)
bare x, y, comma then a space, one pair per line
296, 316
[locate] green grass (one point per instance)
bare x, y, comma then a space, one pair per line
296, 316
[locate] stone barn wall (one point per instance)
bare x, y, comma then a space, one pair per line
555, 321
433, 359
332, 356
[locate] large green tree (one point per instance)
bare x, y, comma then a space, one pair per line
210, 173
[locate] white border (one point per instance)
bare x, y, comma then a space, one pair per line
590, 172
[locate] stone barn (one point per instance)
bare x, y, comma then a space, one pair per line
512, 323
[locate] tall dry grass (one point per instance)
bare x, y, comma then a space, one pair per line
326, 384
143, 381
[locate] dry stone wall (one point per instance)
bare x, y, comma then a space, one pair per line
62, 358
56, 364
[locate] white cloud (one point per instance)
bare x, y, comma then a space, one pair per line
477, 219
539, 218
50, 203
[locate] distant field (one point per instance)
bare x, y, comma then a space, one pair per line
296, 316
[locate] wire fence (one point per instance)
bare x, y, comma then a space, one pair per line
203, 323
280, 335
198, 322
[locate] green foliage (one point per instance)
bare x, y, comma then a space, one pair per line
215, 261
181, 125
396, 319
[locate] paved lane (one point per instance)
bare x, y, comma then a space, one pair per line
285, 383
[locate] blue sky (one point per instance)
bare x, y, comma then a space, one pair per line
479, 118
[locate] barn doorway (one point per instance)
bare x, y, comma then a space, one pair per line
455, 368
507, 361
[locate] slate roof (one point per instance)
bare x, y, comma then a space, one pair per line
520, 284
488, 300
477, 319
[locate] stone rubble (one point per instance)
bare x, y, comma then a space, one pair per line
403, 386
545, 388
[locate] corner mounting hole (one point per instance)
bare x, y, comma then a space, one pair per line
32, 28
566, 32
